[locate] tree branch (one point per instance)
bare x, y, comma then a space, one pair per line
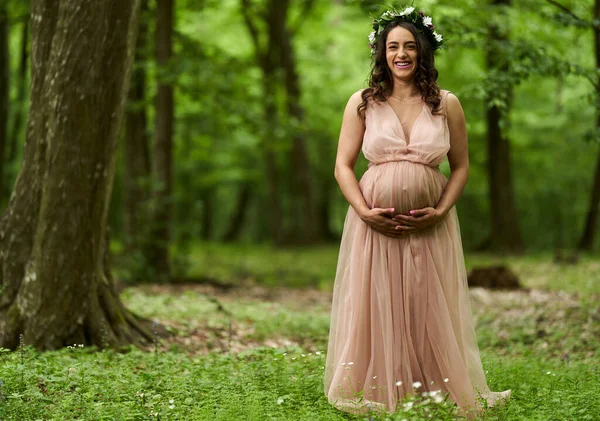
567, 11
306, 9
246, 7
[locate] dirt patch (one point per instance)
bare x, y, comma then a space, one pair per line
553, 321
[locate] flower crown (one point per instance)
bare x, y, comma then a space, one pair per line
409, 14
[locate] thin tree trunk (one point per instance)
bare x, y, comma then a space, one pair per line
162, 156
303, 209
137, 154
4, 94
54, 271
239, 214
207, 195
505, 234
591, 222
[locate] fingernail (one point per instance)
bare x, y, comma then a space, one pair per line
411, 212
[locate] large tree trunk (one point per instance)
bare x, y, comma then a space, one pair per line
589, 231
505, 234
4, 94
162, 155
54, 273
137, 153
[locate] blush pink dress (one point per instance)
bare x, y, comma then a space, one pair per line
400, 311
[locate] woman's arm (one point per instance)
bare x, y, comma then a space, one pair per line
351, 136
458, 156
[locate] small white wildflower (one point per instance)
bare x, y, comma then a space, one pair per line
438, 399
171, 406
437, 36
374, 377
343, 363
279, 401
427, 21
303, 355
416, 385
548, 372
350, 363
285, 353
407, 11
372, 37
425, 394
293, 358
446, 380
318, 353
407, 406
399, 383
171, 401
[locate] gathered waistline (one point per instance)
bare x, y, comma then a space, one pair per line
372, 163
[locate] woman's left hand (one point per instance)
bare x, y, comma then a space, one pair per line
420, 218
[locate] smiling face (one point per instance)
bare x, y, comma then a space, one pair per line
401, 53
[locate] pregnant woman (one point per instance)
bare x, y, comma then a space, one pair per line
401, 321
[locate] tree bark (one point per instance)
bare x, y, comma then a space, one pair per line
162, 157
591, 222
55, 281
4, 94
505, 233
137, 153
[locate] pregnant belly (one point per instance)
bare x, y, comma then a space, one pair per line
402, 185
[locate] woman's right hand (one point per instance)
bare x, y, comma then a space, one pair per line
380, 219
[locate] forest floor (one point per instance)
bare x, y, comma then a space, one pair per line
251, 350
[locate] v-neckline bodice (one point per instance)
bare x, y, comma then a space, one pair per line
407, 140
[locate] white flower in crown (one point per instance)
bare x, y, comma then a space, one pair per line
427, 21
407, 11
387, 13
372, 37
437, 36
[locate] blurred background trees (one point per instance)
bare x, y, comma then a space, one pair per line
235, 107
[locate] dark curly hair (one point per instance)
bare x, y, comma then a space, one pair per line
381, 79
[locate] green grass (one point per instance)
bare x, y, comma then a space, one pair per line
261, 356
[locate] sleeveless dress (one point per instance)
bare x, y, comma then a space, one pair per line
400, 311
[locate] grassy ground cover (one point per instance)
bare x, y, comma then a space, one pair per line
256, 352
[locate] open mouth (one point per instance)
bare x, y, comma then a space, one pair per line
402, 64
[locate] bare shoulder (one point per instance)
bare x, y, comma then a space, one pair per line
452, 100
356, 98
451, 103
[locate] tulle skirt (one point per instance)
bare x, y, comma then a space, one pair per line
401, 315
